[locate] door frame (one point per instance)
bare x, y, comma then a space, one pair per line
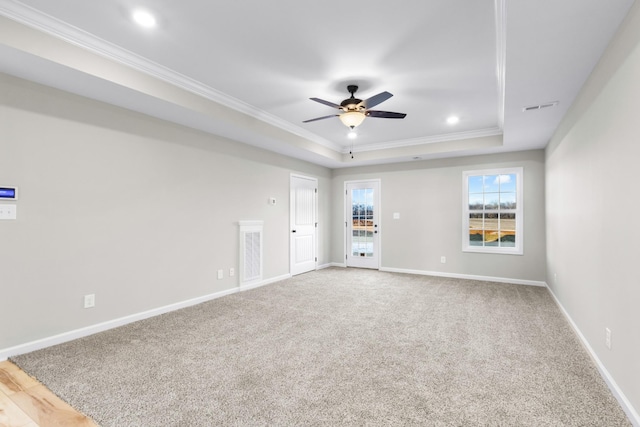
315, 217
346, 218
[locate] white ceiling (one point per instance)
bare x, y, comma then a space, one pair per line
253, 65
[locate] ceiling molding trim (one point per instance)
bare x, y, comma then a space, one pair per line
425, 140
33, 18
501, 55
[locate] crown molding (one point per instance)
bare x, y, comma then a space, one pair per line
425, 140
33, 18
501, 55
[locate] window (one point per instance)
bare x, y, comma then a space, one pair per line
492, 211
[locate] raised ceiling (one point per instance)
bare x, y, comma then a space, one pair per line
246, 70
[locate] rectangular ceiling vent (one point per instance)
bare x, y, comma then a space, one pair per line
540, 106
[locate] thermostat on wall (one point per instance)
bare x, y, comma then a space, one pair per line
8, 193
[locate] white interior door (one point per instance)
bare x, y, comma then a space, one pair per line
362, 226
303, 224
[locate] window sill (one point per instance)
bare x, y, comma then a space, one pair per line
499, 251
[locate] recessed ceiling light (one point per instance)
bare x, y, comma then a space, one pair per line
144, 18
352, 135
452, 120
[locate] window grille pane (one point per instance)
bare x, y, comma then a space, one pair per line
507, 200
475, 229
476, 184
491, 200
508, 183
491, 183
508, 222
476, 201
491, 229
507, 230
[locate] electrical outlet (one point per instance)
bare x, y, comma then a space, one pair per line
232, 272
555, 278
607, 338
220, 274
90, 301
443, 259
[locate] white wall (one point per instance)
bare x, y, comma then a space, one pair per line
592, 200
428, 196
139, 211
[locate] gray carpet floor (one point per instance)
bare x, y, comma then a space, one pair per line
339, 347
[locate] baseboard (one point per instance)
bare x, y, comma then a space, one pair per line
465, 276
110, 324
323, 266
338, 264
613, 386
261, 283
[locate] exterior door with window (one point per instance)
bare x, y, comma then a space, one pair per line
362, 225
303, 224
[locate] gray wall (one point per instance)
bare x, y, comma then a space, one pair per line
428, 196
139, 211
592, 186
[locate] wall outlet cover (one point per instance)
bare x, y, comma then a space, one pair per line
90, 301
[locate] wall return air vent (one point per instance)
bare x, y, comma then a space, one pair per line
250, 252
540, 106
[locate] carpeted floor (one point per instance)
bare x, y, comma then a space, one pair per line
339, 347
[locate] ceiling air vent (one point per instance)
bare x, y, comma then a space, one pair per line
540, 106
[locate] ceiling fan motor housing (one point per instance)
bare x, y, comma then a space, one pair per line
353, 103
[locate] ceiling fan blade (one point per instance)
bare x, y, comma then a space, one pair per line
385, 114
322, 101
376, 99
320, 118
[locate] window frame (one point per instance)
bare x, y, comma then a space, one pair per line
518, 249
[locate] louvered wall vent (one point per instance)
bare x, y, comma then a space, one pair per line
540, 107
250, 252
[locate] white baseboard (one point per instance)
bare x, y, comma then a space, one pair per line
465, 276
261, 283
338, 264
110, 324
613, 386
323, 266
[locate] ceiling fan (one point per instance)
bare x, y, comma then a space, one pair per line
354, 110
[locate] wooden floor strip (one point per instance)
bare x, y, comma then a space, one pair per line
25, 402
11, 415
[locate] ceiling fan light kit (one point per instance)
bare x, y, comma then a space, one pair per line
355, 110
351, 119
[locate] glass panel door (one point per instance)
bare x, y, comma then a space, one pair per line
362, 224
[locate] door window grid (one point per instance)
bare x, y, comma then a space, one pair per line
362, 222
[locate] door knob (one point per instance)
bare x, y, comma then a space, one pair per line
293, 231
